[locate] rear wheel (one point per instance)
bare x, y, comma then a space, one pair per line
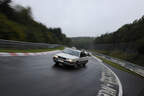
84, 64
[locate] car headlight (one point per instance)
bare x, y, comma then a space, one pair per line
56, 56
69, 60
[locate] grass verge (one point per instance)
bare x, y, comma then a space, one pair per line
115, 65
135, 58
30, 50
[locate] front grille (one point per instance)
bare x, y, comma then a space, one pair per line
62, 58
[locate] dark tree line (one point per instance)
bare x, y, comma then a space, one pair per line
17, 23
129, 33
83, 42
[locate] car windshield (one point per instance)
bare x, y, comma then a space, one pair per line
72, 52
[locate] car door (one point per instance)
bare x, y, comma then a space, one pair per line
83, 56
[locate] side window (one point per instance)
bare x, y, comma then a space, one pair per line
82, 54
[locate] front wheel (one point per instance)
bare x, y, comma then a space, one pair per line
76, 66
84, 65
57, 63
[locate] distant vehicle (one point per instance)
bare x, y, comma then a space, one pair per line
72, 57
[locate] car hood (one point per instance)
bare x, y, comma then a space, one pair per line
68, 56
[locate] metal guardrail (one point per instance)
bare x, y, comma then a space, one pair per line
10, 44
131, 66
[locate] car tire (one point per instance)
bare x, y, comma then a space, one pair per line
57, 63
76, 66
86, 61
80, 65
84, 65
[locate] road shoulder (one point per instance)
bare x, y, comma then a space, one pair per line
111, 85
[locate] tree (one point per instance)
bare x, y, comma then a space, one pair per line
17, 23
5, 2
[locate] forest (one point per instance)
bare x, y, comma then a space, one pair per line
82, 42
17, 23
126, 43
129, 34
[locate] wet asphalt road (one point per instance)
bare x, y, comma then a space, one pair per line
37, 76
132, 85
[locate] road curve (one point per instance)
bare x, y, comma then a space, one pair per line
38, 76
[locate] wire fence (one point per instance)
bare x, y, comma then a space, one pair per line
10, 44
133, 67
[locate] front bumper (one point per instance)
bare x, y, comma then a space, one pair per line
64, 62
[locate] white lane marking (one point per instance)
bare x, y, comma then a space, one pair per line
108, 84
20, 54
5, 54
119, 82
28, 54
108, 78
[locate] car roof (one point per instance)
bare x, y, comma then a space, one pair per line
73, 49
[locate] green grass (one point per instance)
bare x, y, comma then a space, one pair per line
137, 59
30, 50
115, 65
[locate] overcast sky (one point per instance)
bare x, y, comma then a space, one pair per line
85, 17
